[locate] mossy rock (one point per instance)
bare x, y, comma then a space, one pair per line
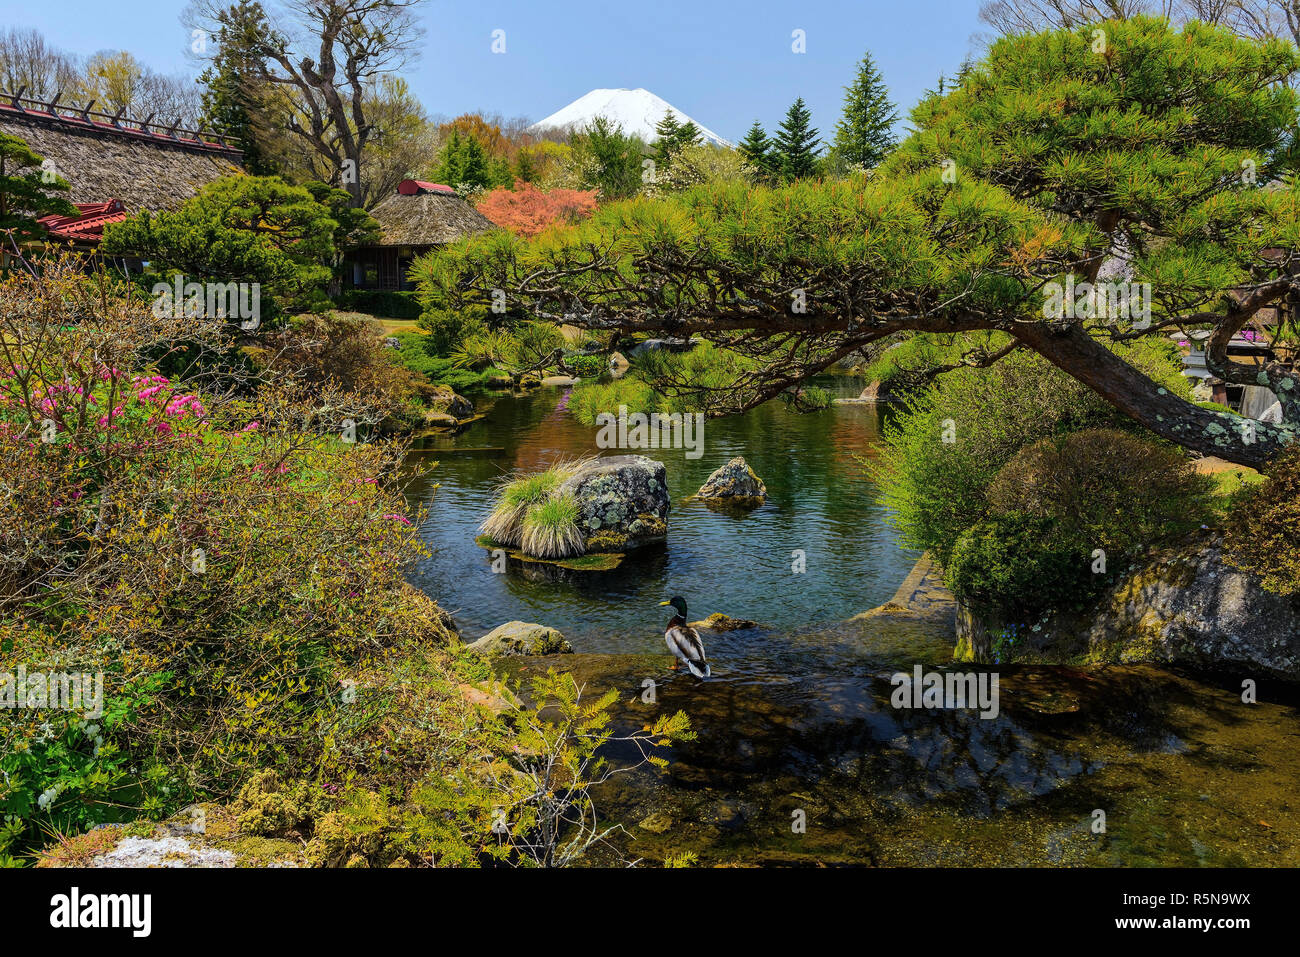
203, 835
441, 398
622, 500
734, 485
720, 622
522, 638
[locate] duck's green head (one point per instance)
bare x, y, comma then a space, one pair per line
678, 602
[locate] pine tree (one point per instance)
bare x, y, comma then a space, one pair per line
666, 130
756, 148
673, 137
796, 143
463, 163
229, 99
688, 134
609, 158
525, 166
865, 134
28, 191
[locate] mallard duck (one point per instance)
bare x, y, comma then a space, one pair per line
684, 641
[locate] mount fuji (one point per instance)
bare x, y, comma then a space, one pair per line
637, 111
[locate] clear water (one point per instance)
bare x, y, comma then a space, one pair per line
820, 501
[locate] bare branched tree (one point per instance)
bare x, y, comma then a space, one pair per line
327, 57
28, 62
1254, 19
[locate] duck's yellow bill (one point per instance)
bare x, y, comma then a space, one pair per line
665, 603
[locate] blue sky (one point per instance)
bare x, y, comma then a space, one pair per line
724, 63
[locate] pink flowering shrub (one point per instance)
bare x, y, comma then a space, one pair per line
208, 547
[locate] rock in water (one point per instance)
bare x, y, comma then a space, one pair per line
622, 502
720, 622
1181, 606
522, 638
446, 399
734, 484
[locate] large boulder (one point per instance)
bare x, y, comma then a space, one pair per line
1194, 609
734, 484
622, 502
1180, 606
522, 638
444, 407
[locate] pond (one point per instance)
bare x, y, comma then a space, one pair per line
820, 503
1119, 766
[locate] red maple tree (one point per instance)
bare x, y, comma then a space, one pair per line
527, 210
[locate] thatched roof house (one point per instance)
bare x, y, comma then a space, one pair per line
418, 217
127, 164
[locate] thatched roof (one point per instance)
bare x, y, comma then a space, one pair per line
143, 168
428, 217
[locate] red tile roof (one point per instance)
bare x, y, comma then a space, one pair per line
410, 187
88, 226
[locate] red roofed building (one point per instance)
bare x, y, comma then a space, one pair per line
114, 166
87, 229
414, 187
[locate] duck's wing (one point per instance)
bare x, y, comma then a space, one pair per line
685, 642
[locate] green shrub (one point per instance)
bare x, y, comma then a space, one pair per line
413, 352
319, 353
587, 365
1061, 500
62, 773
808, 398
1105, 489
1010, 565
449, 328
1263, 526
944, 447
590, 398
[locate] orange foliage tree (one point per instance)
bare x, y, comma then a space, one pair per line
527, 210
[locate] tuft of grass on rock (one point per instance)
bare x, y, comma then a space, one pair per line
516, 497
550, 529
506, 523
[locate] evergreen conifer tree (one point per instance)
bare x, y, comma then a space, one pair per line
796, 143
865, 133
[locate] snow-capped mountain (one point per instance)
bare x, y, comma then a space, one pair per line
637, 111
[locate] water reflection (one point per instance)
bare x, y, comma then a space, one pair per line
821, 503
1170, 759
